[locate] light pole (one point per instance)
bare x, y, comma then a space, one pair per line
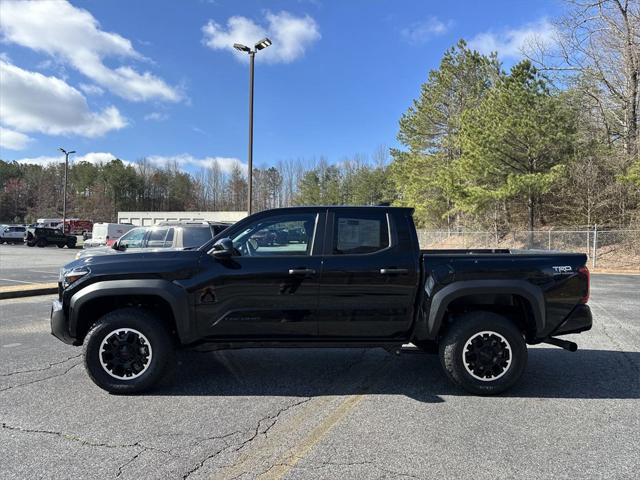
264, 43
64, 192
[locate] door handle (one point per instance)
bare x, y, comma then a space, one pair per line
394, 271
302, 271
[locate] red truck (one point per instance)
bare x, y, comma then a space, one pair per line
73, 226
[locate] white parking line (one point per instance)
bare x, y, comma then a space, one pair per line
9, 345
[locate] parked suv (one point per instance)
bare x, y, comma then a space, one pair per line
12, 233
169, 235
41, 237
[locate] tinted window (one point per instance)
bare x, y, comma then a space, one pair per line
195, 236
275, 236
357, 234
219, 228
156, 237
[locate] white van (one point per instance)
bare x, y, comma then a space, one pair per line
106, 234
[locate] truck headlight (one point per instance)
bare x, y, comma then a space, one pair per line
72, 276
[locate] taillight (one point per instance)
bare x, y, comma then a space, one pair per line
584, 271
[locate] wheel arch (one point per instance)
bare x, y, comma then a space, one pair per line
162, 297
465, 294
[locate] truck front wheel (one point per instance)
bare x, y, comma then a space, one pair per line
128, 351
484, 353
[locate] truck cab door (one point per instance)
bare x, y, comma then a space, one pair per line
267, 290
369, 277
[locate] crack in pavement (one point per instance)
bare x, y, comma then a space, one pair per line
40, 379
51, 365
131, 460
67, 436
90, 443
273, 417
238, 468
201, 463
256, 432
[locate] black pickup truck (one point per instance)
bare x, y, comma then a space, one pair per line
353, 277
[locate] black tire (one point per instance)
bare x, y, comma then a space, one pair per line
499, 365
70, 244
60, 245
41, 243
159, 351
31, 244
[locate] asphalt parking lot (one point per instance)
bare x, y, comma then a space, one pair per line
21, 265
301, 414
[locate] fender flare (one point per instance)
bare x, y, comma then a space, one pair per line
175, 296
441, 300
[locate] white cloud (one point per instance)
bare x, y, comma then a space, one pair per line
32, 102
92, 157
156, 116
291, 36
72, 34
13, 140
420, 32
185, 160
511, 43
91, 89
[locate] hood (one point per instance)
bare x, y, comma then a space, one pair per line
108, 250
165, 263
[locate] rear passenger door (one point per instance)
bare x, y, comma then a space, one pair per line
369, 276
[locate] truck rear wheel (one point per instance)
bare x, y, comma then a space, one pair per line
484, 353
128, 351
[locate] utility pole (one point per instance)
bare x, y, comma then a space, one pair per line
64, 191
264, 43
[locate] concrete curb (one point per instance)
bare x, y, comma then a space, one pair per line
29, 290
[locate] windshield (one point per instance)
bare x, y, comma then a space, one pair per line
133, 238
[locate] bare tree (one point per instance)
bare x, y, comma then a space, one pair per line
597, 48
215, 185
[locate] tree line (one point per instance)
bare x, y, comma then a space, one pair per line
97, 191
553, 141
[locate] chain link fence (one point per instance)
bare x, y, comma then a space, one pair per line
606, 249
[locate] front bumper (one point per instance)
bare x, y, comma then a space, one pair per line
59, 325
579, 320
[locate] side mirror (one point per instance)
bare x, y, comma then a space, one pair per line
223, 248
116, 245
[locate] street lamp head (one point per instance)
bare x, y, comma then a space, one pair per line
240, 47
264, 43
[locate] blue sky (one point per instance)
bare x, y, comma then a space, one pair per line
156, 78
